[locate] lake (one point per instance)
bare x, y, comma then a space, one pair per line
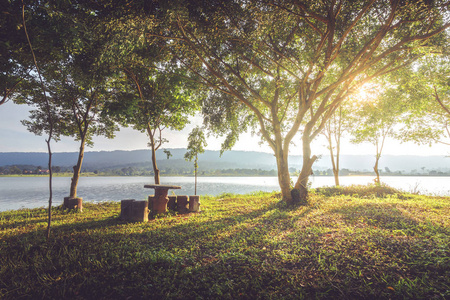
31, 192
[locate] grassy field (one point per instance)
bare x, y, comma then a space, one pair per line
352, 243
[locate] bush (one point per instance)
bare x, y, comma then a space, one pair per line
370, 190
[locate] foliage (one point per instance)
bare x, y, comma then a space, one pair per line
159, 100
376, 118
151, 96
238, 247
77, 103
196, 145
279, 67
286, 66
74, 87
16, 60
427, 90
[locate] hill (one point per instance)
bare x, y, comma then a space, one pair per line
229, 160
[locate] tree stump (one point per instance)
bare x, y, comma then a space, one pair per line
194, 203
150, 202
172, 204
139, 211
126, 207
73, 203
135, 211
182, 204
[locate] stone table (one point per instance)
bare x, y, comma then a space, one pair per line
161, 198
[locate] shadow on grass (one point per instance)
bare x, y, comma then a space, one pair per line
233, 255
31, 217
385, 216
186, 257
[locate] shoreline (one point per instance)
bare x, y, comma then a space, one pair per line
225, 175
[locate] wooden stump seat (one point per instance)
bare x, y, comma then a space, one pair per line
134, 211
73, 203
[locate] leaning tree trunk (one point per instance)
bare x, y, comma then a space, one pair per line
152, 145
77, 170
300, 192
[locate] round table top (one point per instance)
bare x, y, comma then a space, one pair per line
162, 186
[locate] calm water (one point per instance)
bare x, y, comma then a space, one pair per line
30, 192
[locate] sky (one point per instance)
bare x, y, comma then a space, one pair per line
14, 137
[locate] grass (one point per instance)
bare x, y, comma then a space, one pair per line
344, 246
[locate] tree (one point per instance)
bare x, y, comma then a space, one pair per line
150, 91
376, 120
14, 170
77, 86
196, 145
289, 65
45, 106
160, 101
335, 128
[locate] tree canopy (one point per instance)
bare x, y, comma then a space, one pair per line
426, 86
290, 64
282, 68
74, 82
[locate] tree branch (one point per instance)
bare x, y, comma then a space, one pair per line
436, 96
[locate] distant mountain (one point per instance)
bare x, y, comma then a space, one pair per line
393, 162
229, 160
102, 159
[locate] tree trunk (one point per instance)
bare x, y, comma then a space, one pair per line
284, 178
195, 174
302, 182
77, 169
155, 166
375, 168
336, 177
338, 153
334, 164
50, 179
152, 145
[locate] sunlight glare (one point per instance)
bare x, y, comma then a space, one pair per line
365, 93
